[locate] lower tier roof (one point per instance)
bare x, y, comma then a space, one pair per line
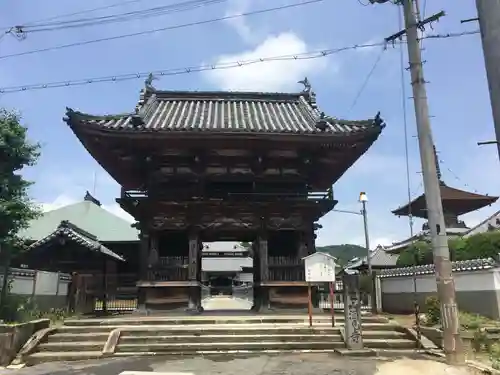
455, 201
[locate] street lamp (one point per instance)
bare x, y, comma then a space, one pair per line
363, 198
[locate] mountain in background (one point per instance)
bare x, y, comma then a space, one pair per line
344, 253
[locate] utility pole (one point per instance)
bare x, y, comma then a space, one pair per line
452, 341
488, 12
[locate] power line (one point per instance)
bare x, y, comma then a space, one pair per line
114, 5
202, 68
120, 17
197, 23
367, 79
187, 70
454, 175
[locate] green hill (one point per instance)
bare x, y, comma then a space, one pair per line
343, 253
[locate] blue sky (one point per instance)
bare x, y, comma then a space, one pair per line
458, 96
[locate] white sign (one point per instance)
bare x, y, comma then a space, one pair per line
320, 268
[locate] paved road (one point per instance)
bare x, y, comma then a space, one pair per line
294, 364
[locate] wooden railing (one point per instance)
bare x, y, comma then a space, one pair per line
282, 268
284, 261
172, 274
178, 261
287, 274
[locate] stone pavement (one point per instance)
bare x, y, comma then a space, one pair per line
292, 364
220, 303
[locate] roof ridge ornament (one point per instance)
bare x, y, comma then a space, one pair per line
322, 123
148, 83
307, 90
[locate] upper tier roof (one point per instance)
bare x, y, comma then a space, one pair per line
455, 201
225, 112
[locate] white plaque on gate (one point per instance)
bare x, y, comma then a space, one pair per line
320, 268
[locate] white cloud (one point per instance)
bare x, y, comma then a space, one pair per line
236, 8
65, 200
267, 76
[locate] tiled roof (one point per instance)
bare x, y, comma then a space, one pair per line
73, 233
379, 258
227, 112
489, 224
460, 266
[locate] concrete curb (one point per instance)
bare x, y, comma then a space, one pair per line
112, 342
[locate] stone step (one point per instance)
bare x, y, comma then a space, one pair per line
42, 357
218, 346
198, 320
389, 344
82, 337
261, 327
388, 335
230, 338
85, 346
225, 329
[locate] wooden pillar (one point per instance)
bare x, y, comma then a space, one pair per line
143, 267
263, 270
256, 276
304, 244
153, 254
194, 273
144, 254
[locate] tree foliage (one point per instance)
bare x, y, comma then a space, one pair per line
16, 152
481, 245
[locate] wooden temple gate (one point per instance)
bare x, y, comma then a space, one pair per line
224, 166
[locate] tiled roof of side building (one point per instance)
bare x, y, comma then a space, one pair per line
73, 233
226, 112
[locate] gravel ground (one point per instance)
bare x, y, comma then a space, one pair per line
293, 364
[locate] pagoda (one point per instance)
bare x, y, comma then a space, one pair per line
200, 167
455, 203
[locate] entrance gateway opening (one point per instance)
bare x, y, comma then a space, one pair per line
200, 167
226, 276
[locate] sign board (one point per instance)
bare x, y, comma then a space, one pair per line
320, 268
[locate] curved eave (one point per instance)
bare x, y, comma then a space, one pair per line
461, 203
83, 124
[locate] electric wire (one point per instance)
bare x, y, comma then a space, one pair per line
167, 28
367, 79
202, 68
64, 15
120, 17
456, 177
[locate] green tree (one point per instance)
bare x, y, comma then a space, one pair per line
16, 208
482, 245
418, 253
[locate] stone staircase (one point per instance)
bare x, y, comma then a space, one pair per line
95, 338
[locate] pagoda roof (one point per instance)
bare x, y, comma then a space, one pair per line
71, 232
455, 201
223, 112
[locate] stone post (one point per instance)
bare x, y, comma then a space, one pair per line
352, 311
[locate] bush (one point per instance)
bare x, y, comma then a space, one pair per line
433, 311
495, 356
